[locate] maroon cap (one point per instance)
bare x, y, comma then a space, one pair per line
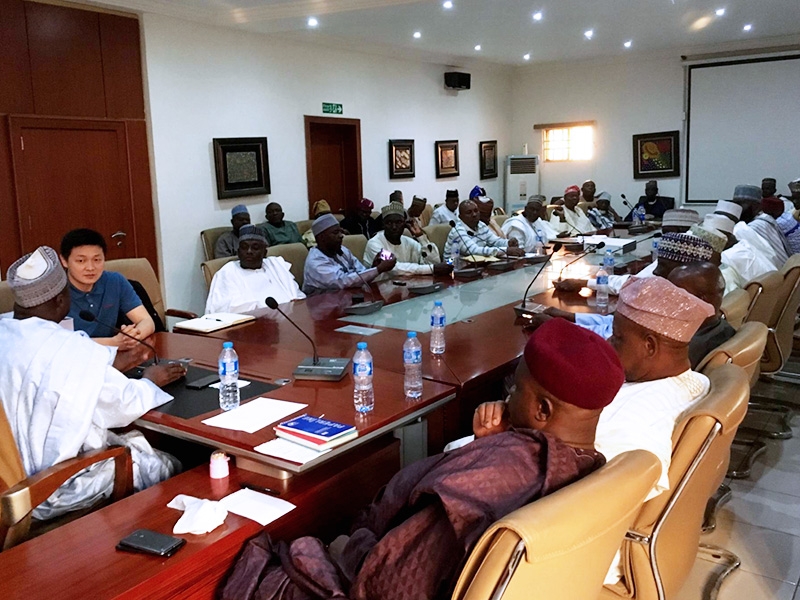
366, 204
574, 364
772, 206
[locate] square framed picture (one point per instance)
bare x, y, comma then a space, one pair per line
401, 159
446, 158
656, 155
242, 166
488, 159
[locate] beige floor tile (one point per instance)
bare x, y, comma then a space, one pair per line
763, 508
740, 585
778, 469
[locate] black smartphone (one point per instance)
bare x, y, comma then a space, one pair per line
150, 542
199, 384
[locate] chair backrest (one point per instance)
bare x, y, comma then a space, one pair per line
427, 213
550, 208
498, 210
667, 530
209, 237
585, 206
11, 469
304, 225
534, 552
437, 234
356, 244
500, 219
781, 322
139, 269
295, 255
735, 306
6, 297
744, 350
763, 292
210, 268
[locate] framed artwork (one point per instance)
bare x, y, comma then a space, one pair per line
242, 166
656, 155
488, 159
401, 159
446, 158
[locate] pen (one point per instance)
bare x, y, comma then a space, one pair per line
258, 488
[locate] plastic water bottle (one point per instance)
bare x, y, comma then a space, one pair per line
438, 321
608, 261
363, 394
538, 248
412, 361
654, 251
456, 255
601, 294
228, 377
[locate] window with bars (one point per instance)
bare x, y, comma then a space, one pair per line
567, 142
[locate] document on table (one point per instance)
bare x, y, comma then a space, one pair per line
281, 448
255, 415
261, 508
240, 383
356, 330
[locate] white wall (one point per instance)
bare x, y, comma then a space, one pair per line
624, 98
205, 82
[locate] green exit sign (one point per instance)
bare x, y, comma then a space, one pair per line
332, 109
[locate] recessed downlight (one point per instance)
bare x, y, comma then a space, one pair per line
312, 22
478, 48
537, 16
628, 44
747, 27
447, 5
417, 35
588, 34
719, 12
526, 57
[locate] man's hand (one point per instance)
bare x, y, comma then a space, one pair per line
162, 374
513, 242
386, 264
570, 285
515, 251
536, 321
490, 418
442, 269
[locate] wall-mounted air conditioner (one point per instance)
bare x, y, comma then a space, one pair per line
522, 180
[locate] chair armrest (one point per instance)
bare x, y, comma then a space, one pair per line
17, 502
180, 314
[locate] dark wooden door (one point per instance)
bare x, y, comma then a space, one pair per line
333, 162
71, 174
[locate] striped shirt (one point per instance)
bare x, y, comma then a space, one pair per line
480, 241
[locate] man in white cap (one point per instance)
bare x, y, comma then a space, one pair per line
679, 220
530, 228
62, 394
330, 266
228, 242
244, 284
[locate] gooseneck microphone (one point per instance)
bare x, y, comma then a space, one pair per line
580, 256
625, 201
556, 248
92, 318
453, 225
273, 304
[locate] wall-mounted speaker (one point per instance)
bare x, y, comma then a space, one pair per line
454, 80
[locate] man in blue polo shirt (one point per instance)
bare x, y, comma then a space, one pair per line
105, 294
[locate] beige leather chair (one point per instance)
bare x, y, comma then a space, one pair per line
426, 215
781, 321
763, 293
437, 234
304, 225
549, 210
6, 298
744, 350
735, 306
500, 219
210, 268
295, 255
659, 551
554, 547
19, 494
209, 237
356, 244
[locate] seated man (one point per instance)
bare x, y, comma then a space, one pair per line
362, 222
412, 258
445, 213
244, 284
569, 218
789, 222
486, 210
602, 215
588, 190
105, 294
679, 220
758, 228
769, 189
330, 266
228, 242
473, 237
62, 395
277, 229
654, 205
416, 219
529, 228
411, 542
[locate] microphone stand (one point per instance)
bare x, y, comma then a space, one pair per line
520, 309
363, 308
580, 256
473, 272
92, 318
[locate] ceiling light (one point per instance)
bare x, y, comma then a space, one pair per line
312, 22
588, 34
720, 12
527, 57
478, 48
448, 5
628, 44
537, 16
747, 27
417, 35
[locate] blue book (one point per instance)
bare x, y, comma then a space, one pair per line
324, 430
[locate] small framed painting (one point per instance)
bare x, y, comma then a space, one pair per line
446, 158
656, 155
401, 159
242, 166
488, 159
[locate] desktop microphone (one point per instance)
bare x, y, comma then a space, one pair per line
315, 368
580, 256
362, 308
91, 318
556, 248
625, 201
453, 225
468, 272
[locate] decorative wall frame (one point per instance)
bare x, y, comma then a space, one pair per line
656, 155
487, 152
446, 158
401, 159
242, 167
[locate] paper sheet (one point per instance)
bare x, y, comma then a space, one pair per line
240, 383
255, 415
261, 508
356, 330
290, 451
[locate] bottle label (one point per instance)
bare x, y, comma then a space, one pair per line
228, 368
412, 356
362, 369
602, 280
437, 321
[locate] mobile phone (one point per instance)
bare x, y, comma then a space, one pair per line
150, 542
199, 384
385, 255
400, 283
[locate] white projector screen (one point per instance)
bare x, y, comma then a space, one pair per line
742, 125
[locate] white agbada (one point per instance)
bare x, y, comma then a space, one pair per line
528, 234
759, 244
408, 254
576, 221
442, 216
744, 263
61, 394
615, 282
235, 289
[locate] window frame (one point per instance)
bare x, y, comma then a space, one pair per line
547, 150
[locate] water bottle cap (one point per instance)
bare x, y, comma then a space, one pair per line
361, 345
437, 303
411, 334
227, 344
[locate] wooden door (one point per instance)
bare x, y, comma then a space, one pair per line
71, 174
333, 162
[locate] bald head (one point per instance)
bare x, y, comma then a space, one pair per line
701, 279
469, 214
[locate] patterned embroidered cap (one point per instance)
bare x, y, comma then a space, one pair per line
252, 232
680, 217
683, 248
366, 204
36, 277
572, 189
716, 239
663, 308
393, 208
320, 207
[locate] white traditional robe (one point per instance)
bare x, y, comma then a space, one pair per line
235, 289
744, 263
443, 215
408, 254
576, 221
758, 243
61, 394
767, 227
528, 234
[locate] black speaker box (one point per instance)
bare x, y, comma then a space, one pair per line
454, 80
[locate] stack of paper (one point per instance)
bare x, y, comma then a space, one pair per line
213, 322
254, 415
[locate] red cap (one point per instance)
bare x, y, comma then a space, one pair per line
573, 188
366, 204
772, 206
574, 364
